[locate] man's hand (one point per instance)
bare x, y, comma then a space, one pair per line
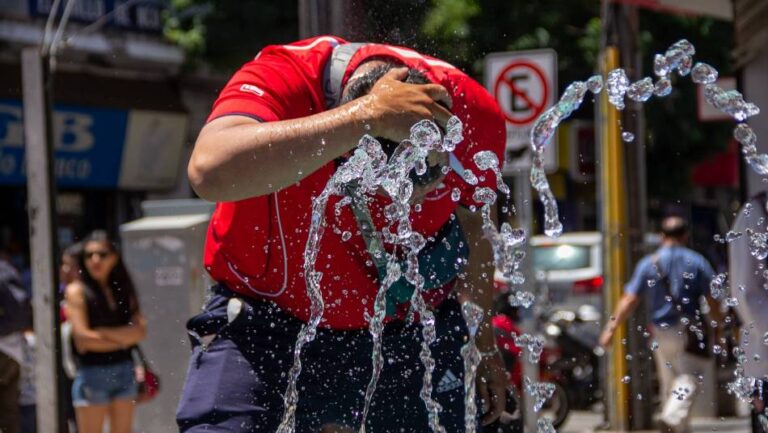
492, 387
394, 106
606, 336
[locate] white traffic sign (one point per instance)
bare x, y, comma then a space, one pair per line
524, 84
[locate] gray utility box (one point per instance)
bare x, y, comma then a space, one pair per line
163, 252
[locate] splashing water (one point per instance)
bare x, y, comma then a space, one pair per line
533, 344
541, 134
544, 425
487, 160
679, 58
540, 391
758, 244
717, 286
627, 136
595, 84
616, 86
521, 298
473, 315
362, 174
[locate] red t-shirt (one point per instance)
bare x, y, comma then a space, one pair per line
256, 246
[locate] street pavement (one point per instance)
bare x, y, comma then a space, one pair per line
586, 421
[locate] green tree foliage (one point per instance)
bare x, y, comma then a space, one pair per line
224, 34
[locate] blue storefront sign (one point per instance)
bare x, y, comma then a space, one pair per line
88, 145
141, 15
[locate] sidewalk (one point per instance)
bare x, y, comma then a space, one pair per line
585, 422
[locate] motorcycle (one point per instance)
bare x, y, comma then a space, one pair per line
568, 361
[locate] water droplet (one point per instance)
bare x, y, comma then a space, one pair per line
703, 73
765, 338
617, 85
660, 65
484, 195
544, 425
663, 87
626, 379
455, 194
717, 286
521, 298
346, 236
627, 136
641, 91
595, 83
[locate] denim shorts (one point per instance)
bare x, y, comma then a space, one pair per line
103, 384
236, 383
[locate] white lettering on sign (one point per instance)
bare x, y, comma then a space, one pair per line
72, 168
73, 132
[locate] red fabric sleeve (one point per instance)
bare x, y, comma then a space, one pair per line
484, 129
268, 88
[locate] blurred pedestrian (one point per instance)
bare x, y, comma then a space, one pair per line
673, 280
277, 133
15, 318
69, 271
103, 309
749, 286
70, 267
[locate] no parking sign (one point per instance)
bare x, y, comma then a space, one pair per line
524, 84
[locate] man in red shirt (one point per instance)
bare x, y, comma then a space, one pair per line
274, 138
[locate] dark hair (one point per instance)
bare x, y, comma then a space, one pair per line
75, 250
363, 84
119, 280
674, 227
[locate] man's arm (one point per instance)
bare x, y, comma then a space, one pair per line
477, 287
626, 306
237, 157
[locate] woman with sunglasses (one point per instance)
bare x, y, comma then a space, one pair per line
106, 323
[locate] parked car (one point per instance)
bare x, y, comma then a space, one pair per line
568, 271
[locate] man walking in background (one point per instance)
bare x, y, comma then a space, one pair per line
673, 280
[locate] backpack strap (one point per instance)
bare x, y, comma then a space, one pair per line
334, 72
440, 261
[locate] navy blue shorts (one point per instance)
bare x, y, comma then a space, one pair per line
237, 383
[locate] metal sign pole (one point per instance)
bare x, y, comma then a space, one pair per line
524, 209
41, 208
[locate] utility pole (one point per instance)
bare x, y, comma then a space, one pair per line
624, 205
633, 120
41, 207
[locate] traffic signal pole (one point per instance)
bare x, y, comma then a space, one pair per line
613, 199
